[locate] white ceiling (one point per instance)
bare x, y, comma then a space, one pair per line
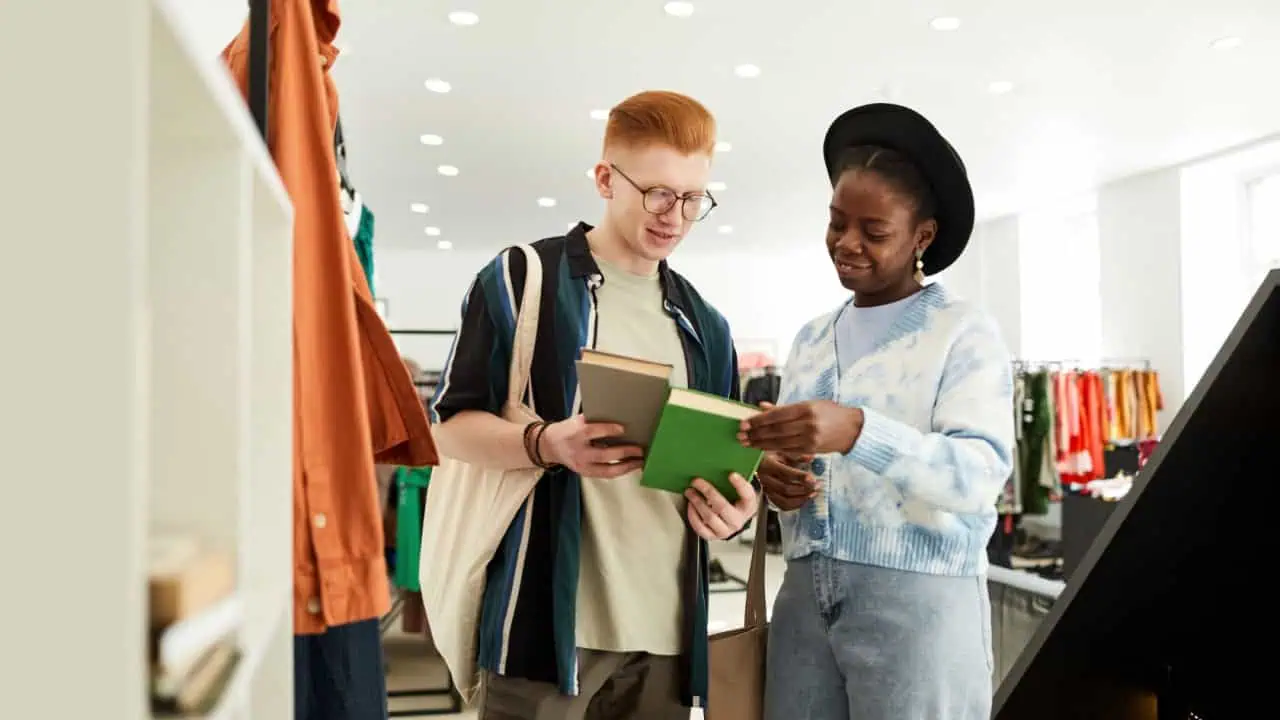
1103, 89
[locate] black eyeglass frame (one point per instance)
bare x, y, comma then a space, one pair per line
682, 198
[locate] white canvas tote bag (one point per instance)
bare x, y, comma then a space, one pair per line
469, 508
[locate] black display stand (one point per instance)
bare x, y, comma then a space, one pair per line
1168, 611
1083, 517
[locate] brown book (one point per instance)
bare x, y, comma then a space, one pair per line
185, 578
624, 390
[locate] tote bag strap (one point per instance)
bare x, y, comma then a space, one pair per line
526, 328
755, 615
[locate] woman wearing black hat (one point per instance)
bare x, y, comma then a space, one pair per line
890, 444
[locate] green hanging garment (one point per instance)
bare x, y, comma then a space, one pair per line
411, 484
364, 245
1036, 424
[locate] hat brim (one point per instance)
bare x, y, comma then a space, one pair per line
902, 129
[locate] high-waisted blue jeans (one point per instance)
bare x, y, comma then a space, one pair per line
855, 642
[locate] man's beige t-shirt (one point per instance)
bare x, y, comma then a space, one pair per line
629, 597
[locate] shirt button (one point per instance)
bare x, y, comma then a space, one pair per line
320, 520
313, 606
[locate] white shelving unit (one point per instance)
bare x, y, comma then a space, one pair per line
147, 353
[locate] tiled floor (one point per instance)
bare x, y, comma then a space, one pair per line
409, 668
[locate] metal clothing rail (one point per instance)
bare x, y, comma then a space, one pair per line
259, 62
454, 704
1105, 363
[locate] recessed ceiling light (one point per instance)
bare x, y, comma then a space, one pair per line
573, 225
1000, 87
431, 231
716, 186
1230, 42
437, 85
725, 229
599, 114
420, 208
945, 24
679, 9
547, 202
747, 71
591, 173
447, 170
430, 139
724, 146
463, 17
444, 245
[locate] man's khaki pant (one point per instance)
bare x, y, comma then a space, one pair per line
612, 686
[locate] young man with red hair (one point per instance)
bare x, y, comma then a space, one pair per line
595, 604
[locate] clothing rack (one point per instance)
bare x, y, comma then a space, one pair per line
425, 346
448, 691
1106, 363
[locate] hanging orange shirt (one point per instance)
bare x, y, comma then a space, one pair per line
1151, 402
353, 399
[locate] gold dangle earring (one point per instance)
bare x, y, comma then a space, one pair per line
919, 276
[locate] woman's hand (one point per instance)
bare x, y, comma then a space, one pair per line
710, 513
813, 427
787, 486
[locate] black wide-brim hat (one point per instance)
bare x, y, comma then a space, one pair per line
902, 129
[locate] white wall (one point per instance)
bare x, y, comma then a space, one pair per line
1219, 273
1140, 226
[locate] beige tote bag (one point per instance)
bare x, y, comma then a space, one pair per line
736, 658
469, 508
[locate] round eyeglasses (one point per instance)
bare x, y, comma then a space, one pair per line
658, 200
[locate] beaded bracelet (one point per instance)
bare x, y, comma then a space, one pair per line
529, 448
537, 447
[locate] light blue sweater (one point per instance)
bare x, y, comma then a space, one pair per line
918, 490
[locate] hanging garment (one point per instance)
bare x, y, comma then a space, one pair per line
1126, 426
763, 388
412, 484
1010, 502
363, 241
1037, 424
1096, 432
1050, 480
1151, 402
353, 398
339, 675
1063, 420
1109, 394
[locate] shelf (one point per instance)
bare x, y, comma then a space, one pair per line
219, 229
154, 392
258, 643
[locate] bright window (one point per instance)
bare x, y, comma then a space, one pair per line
1264, 221
1060, 259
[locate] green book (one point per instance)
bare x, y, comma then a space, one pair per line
697, 436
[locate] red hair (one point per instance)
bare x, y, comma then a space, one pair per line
660, 117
